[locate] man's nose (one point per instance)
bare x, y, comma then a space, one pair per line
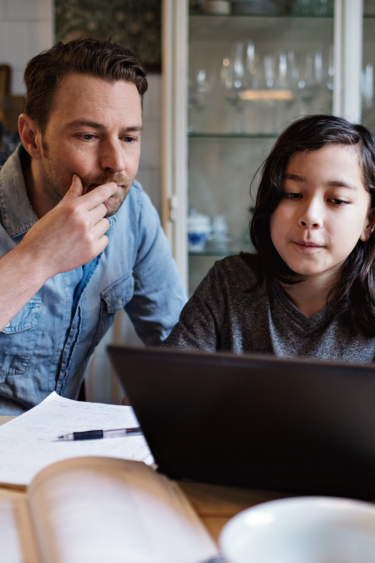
111, 156
311, 215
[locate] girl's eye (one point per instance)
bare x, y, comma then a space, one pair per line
339, 202
292, 195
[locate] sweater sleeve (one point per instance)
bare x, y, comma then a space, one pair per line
201, 320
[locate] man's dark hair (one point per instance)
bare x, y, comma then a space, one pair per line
354, 293
102, 59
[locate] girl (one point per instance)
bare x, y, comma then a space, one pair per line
309, 290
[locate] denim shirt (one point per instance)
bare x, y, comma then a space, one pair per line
47, 345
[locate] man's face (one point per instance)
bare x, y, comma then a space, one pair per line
94, 131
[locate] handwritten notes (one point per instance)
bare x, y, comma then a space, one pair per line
27, 443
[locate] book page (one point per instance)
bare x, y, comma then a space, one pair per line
100, 509
28, 443
16, 539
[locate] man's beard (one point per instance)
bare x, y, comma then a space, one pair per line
114, 203
58, 181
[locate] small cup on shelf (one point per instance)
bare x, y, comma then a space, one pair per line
198, 230
221, 7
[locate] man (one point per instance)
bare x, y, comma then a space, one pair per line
79, 239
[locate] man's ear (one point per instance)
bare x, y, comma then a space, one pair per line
369, 225
30, 135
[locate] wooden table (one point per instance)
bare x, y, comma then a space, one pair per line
214, 504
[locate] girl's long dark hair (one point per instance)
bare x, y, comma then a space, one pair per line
354, 293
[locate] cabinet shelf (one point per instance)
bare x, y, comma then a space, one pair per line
194, 14
207, 28
218, 253
233, 135
232, 248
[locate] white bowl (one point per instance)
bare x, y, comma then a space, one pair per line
302, 530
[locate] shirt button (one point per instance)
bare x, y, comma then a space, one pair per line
6, 326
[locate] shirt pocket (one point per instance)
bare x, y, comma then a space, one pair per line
17, 339
112, 300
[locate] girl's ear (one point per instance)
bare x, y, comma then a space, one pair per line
369, 225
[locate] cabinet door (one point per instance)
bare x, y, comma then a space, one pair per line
232, 83
250, 75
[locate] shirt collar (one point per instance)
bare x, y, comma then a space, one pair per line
17, 214
112, 221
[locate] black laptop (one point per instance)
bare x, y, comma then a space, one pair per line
294, 426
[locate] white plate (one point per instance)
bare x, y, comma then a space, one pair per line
302, 530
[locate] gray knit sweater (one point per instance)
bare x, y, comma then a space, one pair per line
223, 315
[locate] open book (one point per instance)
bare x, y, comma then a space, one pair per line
97, 509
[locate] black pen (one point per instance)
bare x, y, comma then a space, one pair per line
98, 434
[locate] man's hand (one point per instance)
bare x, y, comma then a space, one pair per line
67, 237
71, 234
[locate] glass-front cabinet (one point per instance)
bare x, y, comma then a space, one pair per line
243, 71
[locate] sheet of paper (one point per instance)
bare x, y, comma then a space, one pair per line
27, 443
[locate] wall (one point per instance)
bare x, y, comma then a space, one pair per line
26, 28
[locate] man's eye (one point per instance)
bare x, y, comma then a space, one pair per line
129, 139
88, 137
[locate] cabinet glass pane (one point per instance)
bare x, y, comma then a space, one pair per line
249, 77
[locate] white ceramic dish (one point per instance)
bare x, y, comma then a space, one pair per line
302, 530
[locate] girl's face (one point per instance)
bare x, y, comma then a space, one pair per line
323, 213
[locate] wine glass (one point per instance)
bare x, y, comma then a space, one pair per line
232, 77
367, 91
331, 70
198, 89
